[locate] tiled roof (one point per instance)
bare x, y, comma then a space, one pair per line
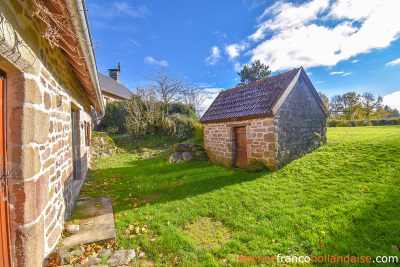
111, 86
249, 100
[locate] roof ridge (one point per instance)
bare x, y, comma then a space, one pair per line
262, 80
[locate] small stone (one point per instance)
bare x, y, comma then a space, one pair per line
187, 156
175, 157
68, 252
73, 228
120, 257
90, 262
183, 147
105, 252
142, 254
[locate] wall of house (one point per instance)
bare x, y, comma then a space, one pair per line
220, 146
299, 125
41, 91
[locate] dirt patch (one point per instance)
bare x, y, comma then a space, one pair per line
208, 233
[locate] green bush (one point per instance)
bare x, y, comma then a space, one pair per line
179, 127
199, 132
364, 122
174, 108
114, 118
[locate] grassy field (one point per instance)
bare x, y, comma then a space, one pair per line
343, 198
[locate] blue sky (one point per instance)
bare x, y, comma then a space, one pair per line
344, 45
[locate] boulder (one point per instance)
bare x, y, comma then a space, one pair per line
175, 157
183, 148
64, 254
187, 156
121, 257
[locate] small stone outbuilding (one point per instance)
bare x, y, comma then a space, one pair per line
269, 122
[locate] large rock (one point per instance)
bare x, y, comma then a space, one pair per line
120, 257
67, 252
175, 157
183, 148
187, 156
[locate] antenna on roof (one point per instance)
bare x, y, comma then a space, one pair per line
119, 66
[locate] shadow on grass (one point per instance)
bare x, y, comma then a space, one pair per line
171, 181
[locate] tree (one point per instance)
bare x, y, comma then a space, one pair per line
325, 100
336, 106
369, 104
168, 87
194, 98
351, 104
257, 71
395, 113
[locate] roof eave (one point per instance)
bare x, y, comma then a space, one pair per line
82, 30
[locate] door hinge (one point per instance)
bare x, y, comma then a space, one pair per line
4, 176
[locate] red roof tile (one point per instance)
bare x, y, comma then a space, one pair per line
248, 100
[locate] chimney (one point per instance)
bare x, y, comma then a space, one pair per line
114, 73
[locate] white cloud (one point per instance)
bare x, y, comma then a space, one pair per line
301, 35
340, 73
237, 66
309, 73
153, 61
355, 61
136, 43
320, 82
394, 62
336, 72
233, 50
125, 8
214, 57
392, 100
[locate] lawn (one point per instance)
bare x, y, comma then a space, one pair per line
344, 198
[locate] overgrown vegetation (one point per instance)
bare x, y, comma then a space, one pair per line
341, 199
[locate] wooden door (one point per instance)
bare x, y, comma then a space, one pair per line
4, 206
240, 147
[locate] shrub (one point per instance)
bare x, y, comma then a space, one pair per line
179, 127
364, 122
114, 118
174, 108
198, 132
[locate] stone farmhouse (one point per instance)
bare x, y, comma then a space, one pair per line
111, 88
271, 121
49, 84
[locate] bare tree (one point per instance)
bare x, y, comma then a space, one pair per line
194, 98
167, 86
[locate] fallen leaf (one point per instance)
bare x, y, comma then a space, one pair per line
168, 223
273, 241
175, 257
126, 233
152, 240
396, 248
247, 231
323, 232
160, 255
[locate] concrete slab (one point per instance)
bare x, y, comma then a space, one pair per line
96, 222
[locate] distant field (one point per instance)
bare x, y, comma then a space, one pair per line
343, 198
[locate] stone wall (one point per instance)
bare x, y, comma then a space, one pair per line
300, 125
220, 146
41, 91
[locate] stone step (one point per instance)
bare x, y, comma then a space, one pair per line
96, 222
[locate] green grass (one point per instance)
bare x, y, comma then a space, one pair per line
344, 198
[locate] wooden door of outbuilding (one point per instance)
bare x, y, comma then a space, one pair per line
4, 205
240, 147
